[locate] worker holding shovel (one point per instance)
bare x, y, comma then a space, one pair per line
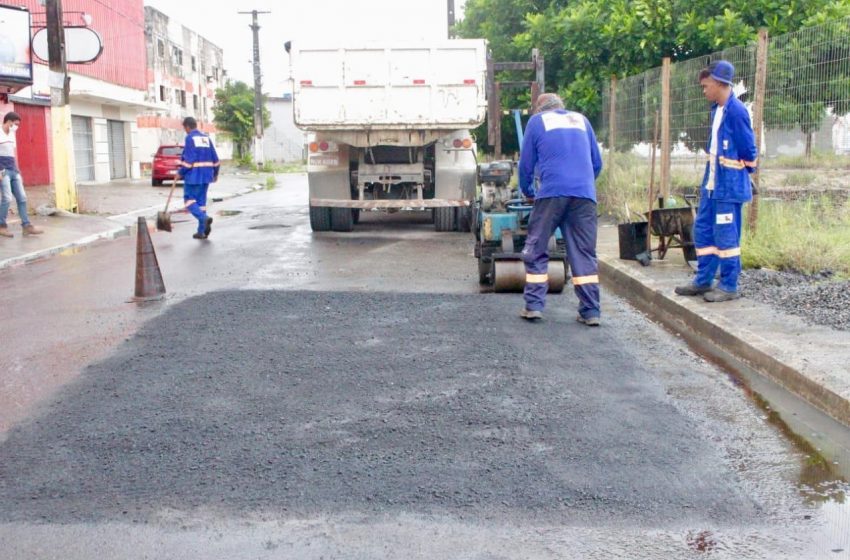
199, 167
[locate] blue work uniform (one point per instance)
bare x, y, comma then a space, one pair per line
198, 168
717, 230
561, 146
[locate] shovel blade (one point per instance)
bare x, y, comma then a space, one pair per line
163, 221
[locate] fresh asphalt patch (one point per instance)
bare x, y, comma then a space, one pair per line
308, 403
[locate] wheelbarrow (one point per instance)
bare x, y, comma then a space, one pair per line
674, 228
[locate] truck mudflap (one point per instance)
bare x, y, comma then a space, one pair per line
388, 204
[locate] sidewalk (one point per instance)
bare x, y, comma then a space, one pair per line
811, 362
107, 211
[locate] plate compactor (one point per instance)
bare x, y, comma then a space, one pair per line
500, 223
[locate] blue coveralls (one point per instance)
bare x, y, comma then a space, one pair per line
199, 167
717, 230
562, 146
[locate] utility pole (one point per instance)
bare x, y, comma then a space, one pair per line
451, 22
258, 90
64, 176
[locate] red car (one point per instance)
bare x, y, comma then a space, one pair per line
166, 161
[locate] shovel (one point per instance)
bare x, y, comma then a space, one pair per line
163, 218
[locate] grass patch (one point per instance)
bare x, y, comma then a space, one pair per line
272, 167
625, 181
271, 182
807, 236
818, 160
799, 179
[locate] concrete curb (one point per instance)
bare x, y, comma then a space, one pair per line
126, 221
57, 249
722, 341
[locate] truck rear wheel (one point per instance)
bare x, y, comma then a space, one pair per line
342, 219
445, 219
320, 218
464, 218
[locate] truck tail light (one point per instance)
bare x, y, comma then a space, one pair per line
323, 146
467, 143
359, 82
469, 82
458, 143
314, 147
306, 83
419, 82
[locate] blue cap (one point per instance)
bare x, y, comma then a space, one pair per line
722, 71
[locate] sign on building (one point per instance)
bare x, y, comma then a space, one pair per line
15, 49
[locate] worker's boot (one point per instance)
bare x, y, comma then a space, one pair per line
530, 315
30, 229
718, 295
4, 232
589, 321
207, 227
692, 290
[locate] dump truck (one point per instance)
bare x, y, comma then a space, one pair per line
389, 128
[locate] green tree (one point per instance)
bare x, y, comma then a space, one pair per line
234, 114
585, 42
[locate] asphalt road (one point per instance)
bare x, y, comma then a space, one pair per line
355, 396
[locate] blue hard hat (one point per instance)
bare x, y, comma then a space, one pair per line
722, 71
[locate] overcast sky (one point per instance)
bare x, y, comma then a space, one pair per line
313, 20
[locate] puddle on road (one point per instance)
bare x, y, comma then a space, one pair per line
270, 226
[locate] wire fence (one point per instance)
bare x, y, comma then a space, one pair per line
805, 150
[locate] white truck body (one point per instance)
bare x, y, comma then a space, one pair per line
437, 86
389, 127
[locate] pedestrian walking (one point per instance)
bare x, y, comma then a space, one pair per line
10, 178
725, 188
561, 146
199, 167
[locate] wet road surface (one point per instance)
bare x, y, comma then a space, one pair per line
354, 396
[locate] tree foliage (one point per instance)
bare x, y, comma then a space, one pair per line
585, 42
234, 114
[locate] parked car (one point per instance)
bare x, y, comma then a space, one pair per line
166, 161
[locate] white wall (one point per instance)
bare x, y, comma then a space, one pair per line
282, 141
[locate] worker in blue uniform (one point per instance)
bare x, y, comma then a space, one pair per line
561, 146
199, 167
725, 188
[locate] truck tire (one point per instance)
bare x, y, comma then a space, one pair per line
445, 219
320, 218
464, 218
356, 216
342, 219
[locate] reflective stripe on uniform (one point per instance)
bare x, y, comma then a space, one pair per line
537, 278
729, 253
751, 163
582, 280
186, 164
706, 251
731, 163
205, 164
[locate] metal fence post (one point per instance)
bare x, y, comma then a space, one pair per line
758, 122
665, 129
612, 129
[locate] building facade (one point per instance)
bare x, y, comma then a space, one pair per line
183, 72
282, 141
106, 96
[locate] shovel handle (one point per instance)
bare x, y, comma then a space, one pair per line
171, 192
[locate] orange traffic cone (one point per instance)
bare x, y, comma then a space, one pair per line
149, 284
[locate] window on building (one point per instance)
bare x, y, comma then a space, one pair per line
181, 95
162, 93
160, 48
215, 73
195, 102
194, 64
177, 55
